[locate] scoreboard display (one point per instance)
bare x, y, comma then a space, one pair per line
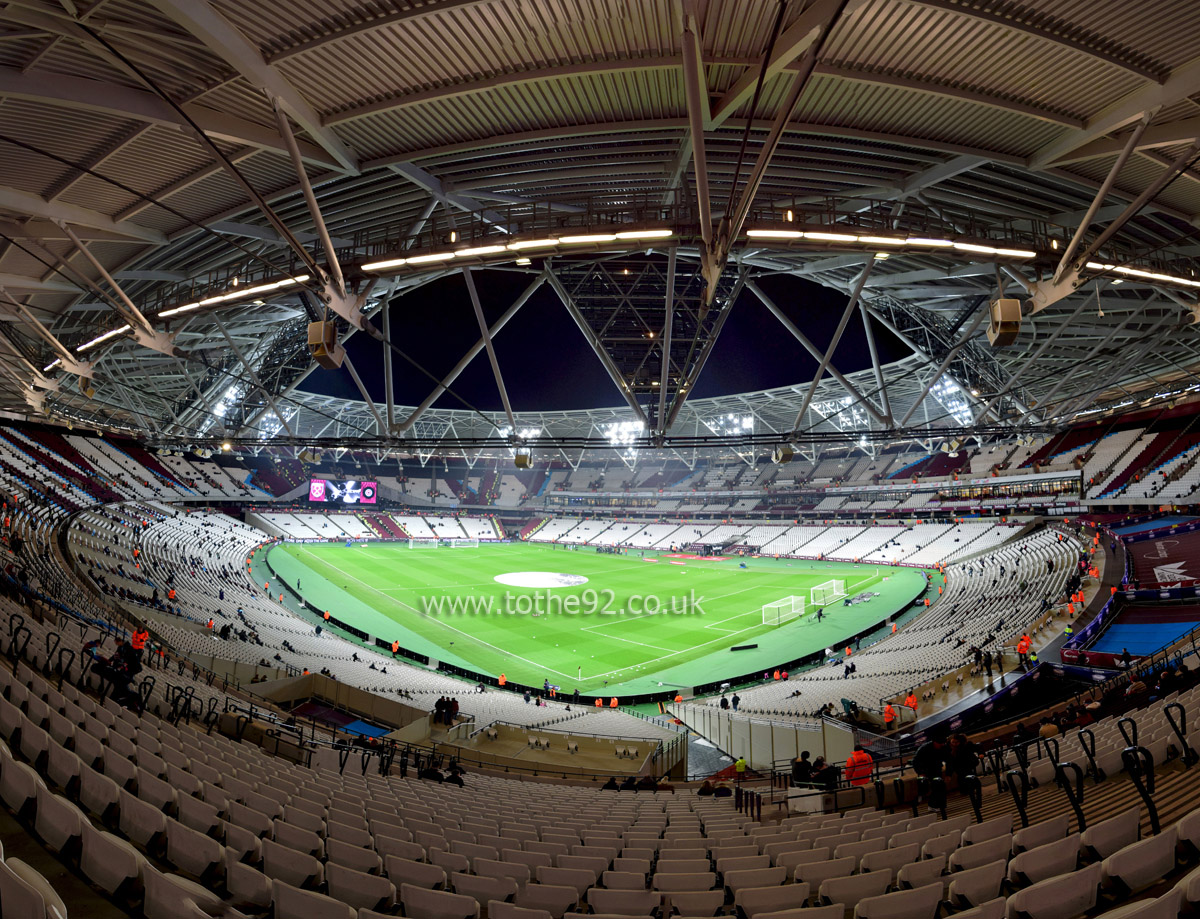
346, 492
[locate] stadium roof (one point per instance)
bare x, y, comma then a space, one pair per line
159, 263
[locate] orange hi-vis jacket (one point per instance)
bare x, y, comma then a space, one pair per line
889, 714
858, 767
911, 701
137, 640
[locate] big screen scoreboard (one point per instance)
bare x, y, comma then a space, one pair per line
347, 492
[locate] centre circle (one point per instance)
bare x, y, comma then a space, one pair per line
540, 579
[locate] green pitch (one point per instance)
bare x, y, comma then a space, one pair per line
595, 635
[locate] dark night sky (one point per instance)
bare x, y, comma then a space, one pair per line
548, 365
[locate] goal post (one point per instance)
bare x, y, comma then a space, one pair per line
828, 592
449, 543
781, 611
419, 542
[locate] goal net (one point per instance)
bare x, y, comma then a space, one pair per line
826, 593
459, 543
782, 611
422, 542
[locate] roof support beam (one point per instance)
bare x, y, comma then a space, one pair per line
491, 350
1182, 83
144, 107
34, 206
472, 353
664, 382
380, 427
689, 384
1101, 194
253, 375
794, 330
794, 41
219, 35
597, 348
65, 357
1160, 135
699, 114
310, 199
851, 305
449, 199
143, 332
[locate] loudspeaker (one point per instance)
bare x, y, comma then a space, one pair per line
782, 454
522, 460
1005, 323
324, 346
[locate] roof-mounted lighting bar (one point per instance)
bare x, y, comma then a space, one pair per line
520, 245
255, 291
1143, 273
103, 337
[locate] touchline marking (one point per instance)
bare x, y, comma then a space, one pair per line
631, 641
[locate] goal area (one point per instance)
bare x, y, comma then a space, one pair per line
781, 611
828, 592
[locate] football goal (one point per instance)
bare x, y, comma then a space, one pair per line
447, 543
422, 542
782, 611
824, 594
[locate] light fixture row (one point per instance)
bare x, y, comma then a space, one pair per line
914, 241
188, 307
519, 245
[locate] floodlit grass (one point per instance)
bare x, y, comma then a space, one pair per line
586, 635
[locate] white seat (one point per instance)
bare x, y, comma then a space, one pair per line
817, 873
835, 911
892, 859
358, 889
549, 897
619, 902
671, 881
97, 793
1061, 897
981, 853
977, 886
141, 823
1045, 861
58, 822
422, 903
1165, 907
25, 894
483, 889
1040, 833
294, 903
1100, 840
400, 848
197, 815
294, 868
755, 900
579, 878
19, 782
417, 874
918, 903
849, 890
697, 902
109, 862
167, 896
918, 874
993, 909
348, 856
192, 852
246, 884
623, 880
498, 910
1140, 864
